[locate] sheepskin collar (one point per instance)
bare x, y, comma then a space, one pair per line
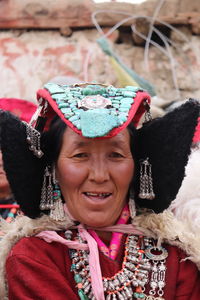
164, 227
186, 206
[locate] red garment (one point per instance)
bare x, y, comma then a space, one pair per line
40, 271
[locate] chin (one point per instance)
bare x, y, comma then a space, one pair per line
97, 222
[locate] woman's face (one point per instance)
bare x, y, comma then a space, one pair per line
4, 185
94, 176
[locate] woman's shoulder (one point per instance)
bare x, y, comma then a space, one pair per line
34, 248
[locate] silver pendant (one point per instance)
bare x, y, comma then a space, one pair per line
94, 102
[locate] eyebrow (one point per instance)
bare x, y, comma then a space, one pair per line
80, 144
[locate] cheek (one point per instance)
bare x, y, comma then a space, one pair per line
125, 174
3, 181
69, 175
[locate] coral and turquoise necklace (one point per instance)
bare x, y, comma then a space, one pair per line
143, 263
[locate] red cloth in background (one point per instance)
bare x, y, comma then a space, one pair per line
21, 108
196, 138
38, 270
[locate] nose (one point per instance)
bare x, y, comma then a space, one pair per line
99, 171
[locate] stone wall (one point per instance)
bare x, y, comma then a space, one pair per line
31, 57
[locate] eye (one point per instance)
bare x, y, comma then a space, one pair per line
116, 155
81, 155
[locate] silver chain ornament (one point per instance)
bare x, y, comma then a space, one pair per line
33, 139
134, 275
146, 181
51, 195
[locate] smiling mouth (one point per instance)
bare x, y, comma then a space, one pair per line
97, 195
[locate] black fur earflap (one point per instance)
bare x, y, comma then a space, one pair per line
167, 142
24, 170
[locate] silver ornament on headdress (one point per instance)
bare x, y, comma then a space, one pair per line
33, 135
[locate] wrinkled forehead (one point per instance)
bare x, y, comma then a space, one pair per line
74, 140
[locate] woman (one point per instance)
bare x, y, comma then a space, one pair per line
24, 110
81, 238
6, 198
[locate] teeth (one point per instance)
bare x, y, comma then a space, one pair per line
98, 194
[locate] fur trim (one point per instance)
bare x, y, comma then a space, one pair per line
21, 227
164, 227
186, 206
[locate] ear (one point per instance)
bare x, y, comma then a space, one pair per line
24, 170
167, 142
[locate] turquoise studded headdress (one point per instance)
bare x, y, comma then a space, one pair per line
93, 110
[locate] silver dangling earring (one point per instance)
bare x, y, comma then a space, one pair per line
33, 139
57, 212
51, 196
146, 181
46, 202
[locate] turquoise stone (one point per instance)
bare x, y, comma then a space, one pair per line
73, 104
127, 100
132, 88
97, 122
93, 122
53, 88
114, 112
66, 110
74, 118
128, 94
114, 101
87, 92
93, 90
125, 105
139, 295
122, 118
112, 89
77, 124
73, 267
58, 97
115, 105
82, 295
119, 93
69, 115
78, 278
77, 111
71, 100
112, 94
123, 109
118, 98
76, 94
63, 105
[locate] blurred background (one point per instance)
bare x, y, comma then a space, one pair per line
151, 43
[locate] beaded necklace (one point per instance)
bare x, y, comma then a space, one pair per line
10, 211
143, 262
